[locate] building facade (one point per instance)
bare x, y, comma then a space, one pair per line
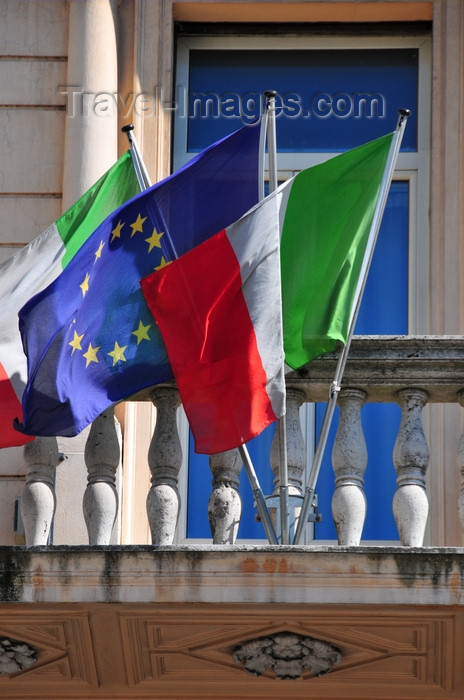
102, 612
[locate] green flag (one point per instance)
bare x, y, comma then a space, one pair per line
36, 265
116, 186
326, 215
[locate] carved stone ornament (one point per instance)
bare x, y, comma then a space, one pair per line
289, 655
15, 656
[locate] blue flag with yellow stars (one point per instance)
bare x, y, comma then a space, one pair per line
89, 338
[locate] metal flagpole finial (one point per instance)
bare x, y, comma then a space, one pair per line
270, 96
139, 166
126, 129
403, 115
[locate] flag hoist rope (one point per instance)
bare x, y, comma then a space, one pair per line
144, 183
335, 387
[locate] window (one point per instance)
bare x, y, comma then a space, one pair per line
334, 93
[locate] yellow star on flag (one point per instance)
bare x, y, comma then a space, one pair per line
154, 240
99, 251
162, 264
141, 333
75, 343
117, 353
137, 226
116, 232
85, 285
91, 354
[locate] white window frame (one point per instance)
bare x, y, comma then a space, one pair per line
411, 166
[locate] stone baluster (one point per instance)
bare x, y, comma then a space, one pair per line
38, 501
225, 505
296, 457
349, 459
164, 459
411, 458
102, 455
461, 465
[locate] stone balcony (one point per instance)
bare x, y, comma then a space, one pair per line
199, 622
383, 365
412, 371
166, 621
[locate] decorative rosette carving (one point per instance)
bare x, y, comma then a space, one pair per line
289, 655
15, 656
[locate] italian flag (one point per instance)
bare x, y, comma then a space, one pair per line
218, 308
286, 271
326, 215
35, 266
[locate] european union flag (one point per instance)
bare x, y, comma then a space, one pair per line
89, 338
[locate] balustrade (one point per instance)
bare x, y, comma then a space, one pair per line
349, 458
296, 462
38, 500
410, 371
164, 459
225, 507
102, 455
411, 457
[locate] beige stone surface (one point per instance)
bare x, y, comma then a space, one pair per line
163, 623
12, 461
91, 136
26, 217
32, 81
11, 488
238, 574
291, 11
31, 150
71, 481
122, 651
33, 27
446, 279
137, 423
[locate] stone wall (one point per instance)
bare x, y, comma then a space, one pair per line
33, 64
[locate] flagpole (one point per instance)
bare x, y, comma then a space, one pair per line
260, 501
281, 423
139, 166
144, 183
262, 146
270, 96
258, 494
335, 386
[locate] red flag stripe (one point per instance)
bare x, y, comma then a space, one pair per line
219, 371
10, 407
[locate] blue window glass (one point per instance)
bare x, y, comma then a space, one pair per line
199, 489
327, 100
